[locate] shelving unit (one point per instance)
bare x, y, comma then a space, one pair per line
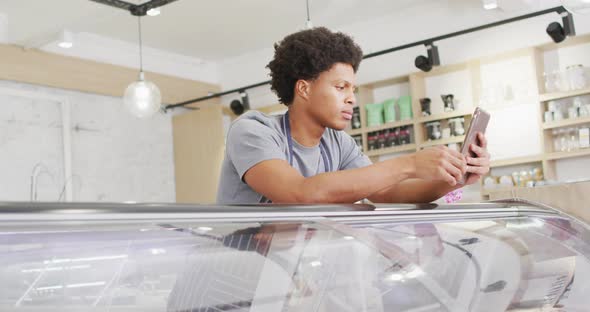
549, 155
570, 154
391, 150
445, 116
546, 97
418, 89
355, 131
565, 123
389, 125
516, 161
457, 139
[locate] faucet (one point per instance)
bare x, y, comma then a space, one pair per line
37, 170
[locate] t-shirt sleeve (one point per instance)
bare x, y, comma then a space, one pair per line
250, 142
352, 156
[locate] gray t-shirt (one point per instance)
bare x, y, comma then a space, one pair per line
256, 137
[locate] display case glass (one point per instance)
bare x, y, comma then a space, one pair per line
490, 257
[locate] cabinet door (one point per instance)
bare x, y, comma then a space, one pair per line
198, 152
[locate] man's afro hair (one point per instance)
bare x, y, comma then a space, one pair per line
306, 54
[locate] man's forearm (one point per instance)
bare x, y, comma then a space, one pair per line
413, 191
348, 186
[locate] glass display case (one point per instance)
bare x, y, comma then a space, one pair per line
506, 256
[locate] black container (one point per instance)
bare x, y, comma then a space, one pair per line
425, 106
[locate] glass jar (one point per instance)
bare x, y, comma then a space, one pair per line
549, 82
548, 116
576, 77
551, 106
404, 135
457, 126
584, 136
572, 139
556, 140
381, 139
558, 112
372, 141
562, 81
572, 112
433, 131
395, 136
562, 134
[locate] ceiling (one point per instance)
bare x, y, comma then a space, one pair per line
210, 30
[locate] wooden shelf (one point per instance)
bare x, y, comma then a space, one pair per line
389, 125
565, 123
545, 97
391, 150
458, 139
386, 82
354, 131
572, 154
516, 161
445, 116
441, 70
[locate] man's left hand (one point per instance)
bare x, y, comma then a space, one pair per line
480, 165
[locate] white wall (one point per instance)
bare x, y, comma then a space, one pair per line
113, 156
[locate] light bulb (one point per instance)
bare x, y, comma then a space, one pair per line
142, 98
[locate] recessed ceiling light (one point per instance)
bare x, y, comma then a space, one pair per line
153, 12
66, 40
490, 4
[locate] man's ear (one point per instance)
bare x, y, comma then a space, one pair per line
302, 88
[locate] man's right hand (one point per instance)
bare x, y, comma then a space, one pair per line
440, 164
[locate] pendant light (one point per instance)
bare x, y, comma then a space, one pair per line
142, 98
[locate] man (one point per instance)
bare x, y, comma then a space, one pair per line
304, 157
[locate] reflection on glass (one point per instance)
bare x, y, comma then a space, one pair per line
510, 264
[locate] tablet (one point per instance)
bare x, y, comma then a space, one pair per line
479, 123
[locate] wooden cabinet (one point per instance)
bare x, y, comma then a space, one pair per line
199, 144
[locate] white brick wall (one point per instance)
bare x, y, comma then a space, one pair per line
115, 157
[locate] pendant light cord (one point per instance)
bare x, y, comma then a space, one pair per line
140, 46
308, 24
307, 7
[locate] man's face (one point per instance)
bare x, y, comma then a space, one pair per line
331, 96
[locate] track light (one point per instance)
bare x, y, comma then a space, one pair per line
557, 32
239, 107
66, 39
426, 63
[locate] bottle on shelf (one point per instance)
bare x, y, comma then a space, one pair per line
584, 136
